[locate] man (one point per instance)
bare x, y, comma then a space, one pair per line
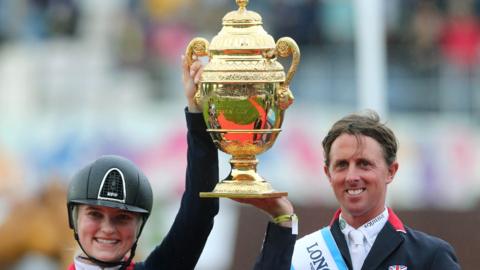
360, 162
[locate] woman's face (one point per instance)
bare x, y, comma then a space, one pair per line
105, 233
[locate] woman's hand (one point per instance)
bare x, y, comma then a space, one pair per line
191, 76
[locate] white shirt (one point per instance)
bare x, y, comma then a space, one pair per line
366, 234
80, 265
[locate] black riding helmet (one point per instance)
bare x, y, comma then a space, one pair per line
111, 181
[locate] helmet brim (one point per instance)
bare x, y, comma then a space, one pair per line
112, 204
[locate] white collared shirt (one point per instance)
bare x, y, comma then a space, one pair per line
80, 265
370, 232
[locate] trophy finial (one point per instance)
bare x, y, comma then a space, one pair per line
242, 3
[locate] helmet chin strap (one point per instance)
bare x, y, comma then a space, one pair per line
103, 264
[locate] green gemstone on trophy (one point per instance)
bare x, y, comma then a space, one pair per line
240, 112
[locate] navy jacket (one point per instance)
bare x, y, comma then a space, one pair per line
397, 247
277, 249
182, 246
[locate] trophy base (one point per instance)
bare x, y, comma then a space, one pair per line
243, 189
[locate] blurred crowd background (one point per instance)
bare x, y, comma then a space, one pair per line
79, 79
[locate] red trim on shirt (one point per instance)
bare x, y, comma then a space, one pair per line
130, 267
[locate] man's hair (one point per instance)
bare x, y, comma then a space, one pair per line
366, 124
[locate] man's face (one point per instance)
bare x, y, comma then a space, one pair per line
359, 177
106, 233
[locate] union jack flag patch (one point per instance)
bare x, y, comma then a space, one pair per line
397, 267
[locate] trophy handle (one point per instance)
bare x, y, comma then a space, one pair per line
286, 46
199, 47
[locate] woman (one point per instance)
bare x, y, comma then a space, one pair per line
110, 200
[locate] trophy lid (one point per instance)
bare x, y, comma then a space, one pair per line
242, 51
242, 31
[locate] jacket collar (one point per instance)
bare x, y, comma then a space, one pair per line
389, 238
393, 219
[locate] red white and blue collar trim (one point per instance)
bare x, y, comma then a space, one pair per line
393, 219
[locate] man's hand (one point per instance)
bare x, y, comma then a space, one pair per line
274, 207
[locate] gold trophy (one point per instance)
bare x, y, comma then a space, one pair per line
244, 92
